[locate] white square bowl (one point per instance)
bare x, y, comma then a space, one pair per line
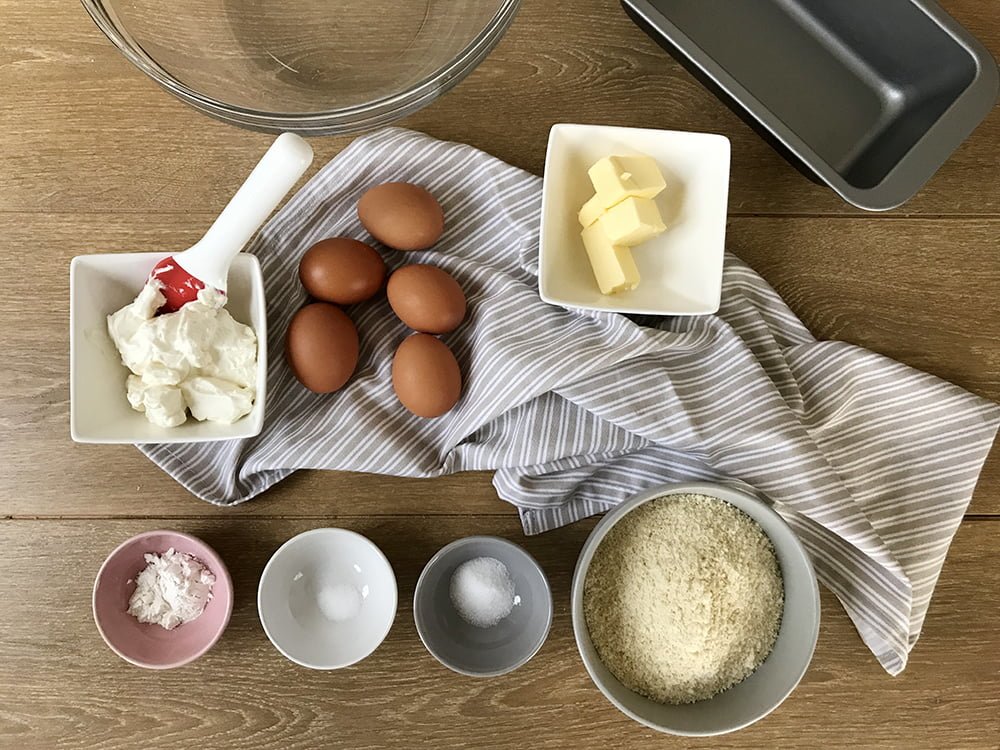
99, 411
681, 269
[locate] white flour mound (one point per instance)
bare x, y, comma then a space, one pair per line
172, 589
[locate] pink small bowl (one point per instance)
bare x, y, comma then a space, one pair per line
149, 645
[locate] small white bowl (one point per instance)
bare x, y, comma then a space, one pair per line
327, 598
681, 269
99, 411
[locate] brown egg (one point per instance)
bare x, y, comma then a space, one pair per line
401, 215
425, 376
321, 347
426, 298
342, 270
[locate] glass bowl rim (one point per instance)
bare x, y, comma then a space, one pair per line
367, 115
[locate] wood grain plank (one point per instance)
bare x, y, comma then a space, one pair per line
59, 686
922, 291
71, 100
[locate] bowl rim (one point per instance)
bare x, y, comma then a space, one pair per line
719, 492
355, 118
516, 549
327, 531
218, 567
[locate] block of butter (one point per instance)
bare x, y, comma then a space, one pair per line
591, 211
613, 265
616, 178
632, 222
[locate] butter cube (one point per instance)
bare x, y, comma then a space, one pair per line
591, 211
614, 268
632, 222
616, 178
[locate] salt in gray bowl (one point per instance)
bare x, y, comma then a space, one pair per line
471, 650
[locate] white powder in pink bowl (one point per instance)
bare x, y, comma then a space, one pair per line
173, 589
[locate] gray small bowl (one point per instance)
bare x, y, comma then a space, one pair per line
772, 682
482, 652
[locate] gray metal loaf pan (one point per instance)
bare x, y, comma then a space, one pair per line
867, 96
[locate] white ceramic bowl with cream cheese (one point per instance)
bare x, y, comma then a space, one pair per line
99, 410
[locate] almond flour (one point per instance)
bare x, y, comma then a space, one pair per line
683, 598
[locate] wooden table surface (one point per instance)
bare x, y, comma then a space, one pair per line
95, 158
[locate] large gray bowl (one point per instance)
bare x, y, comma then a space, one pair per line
766, 688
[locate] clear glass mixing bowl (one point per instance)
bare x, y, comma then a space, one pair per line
316, 67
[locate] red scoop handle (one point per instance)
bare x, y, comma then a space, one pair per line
179, 287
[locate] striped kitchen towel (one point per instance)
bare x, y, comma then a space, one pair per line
873, 463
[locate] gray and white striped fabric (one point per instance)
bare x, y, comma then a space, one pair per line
873, 463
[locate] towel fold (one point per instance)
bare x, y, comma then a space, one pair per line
871, 462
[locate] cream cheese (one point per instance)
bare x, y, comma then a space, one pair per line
198, 358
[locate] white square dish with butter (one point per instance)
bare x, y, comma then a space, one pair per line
633, 220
